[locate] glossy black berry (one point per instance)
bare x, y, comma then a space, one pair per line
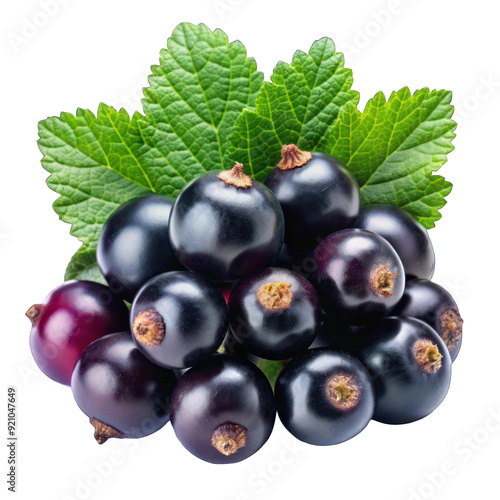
324, 397
274, 313
359, 276
410, 368
178, 318
430, 302
134, 245
123, 393
317, 193
72, 316
226, 225
223, 409
406, 235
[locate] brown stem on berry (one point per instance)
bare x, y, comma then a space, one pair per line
343, 391
229, 438
149, 328
274, 296
382, 281
427, 356
103, 432
292, 157
34, 313
236, 176
451, 327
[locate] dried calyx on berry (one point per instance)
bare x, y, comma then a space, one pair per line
236, 177
293, 157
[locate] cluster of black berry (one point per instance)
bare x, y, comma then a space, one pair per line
348, 309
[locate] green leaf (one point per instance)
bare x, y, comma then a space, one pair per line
271, 370
97, 162
83, 266
394, 147
196, 95
300, 106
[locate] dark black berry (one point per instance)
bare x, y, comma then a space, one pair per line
226, 225
123, 393
430, 302
223, 409
406, 235
134, 245
359, 276
274, 313
324, 397
317, 193
410, 368
178, 318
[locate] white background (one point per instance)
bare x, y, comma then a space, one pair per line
94, 50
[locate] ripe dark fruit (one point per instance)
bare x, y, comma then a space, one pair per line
410, 368
134, 245
274, 313
178, 318
317, 193
428, 356
324, 397
226, 226
359, 276
432, 304
223, 409
123, 393
71, 317
406, 236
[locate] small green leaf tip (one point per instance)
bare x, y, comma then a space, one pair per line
394, 147
299, 107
